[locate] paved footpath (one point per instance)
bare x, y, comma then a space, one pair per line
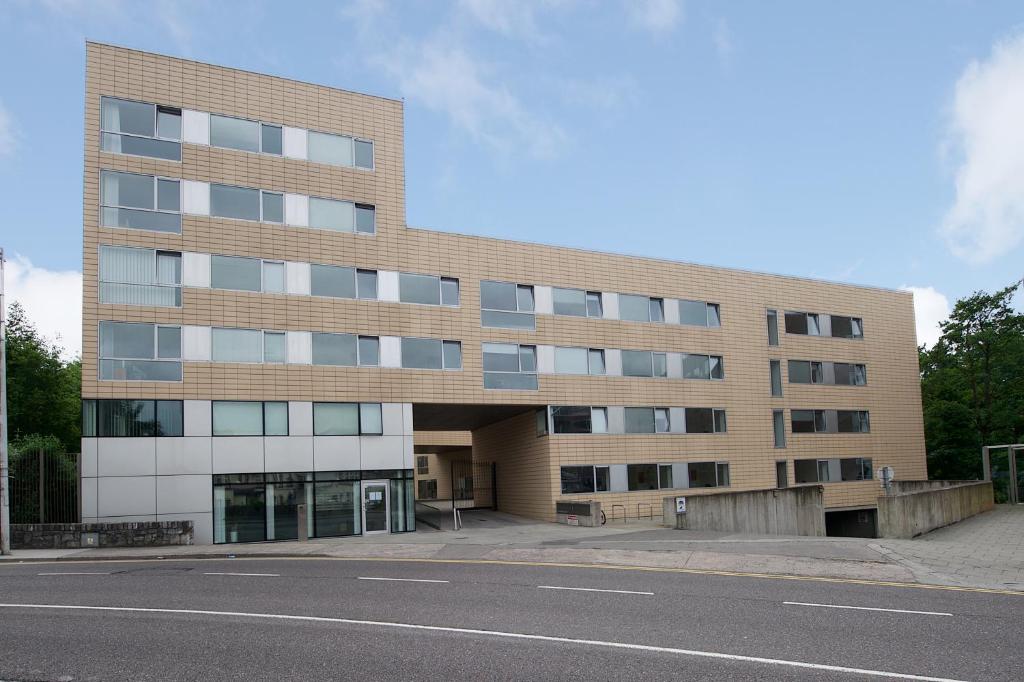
986, 551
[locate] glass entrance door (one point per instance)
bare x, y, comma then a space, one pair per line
375, 507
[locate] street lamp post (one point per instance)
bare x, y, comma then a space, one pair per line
5, 491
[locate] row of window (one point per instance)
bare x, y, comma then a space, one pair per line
143, 129
819, 421
815, 372
639, 477
814, 324
832, 470
578, 419
148, 202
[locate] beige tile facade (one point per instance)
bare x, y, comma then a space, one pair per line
528, 467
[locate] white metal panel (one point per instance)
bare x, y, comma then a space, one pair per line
675, 365
610, 303
195, 197
613, 362
125, 457
616, 419
195, 270
543, 302
296, 210
298, 278
189, 455
198, 418
407, 419
390, 351
295, 143
671, 311
195, 127
288, 453
238, 455
89, 501
825, 325
183, 494
89, 453
391, 416
680, 475
408, 458
300, 418
619, 478
196, 344
677, 419
545, 359
125, 495
381, 452
335, 453
300, 348
387, 286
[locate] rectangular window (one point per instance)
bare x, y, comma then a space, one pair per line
595, 305
234, 272
331, 214
240, 203
275, 419
722, 468
428, 289
853, 421
369, 351
595, 361
366, 219
802, 323
637, 363
781, 474
273, 207
421, 353
660, 364
599, 420
571, 361
335, 419
847, 374
642, 476
332, 280
657, 306
270, 139
665, 476
635, 308
571, 419
273, 277
140, 129
661, 420
364, 154
542, 422
133, 276
702, 474
139, 352
847, 327
132, 418
275, 347
569, 302
237, 345
577, 479
640, 420
698, 313
807, 421
799, 372
773, 328
506, 305
449, 291
234, 133
366, 284
699, 366
510, 366
140, 202
779, 428
775, 372
236, 418
602, 479
705, 420
422, 464
370, 420
451, 354
334, 349
335, 150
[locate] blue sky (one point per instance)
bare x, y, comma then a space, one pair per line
873, 143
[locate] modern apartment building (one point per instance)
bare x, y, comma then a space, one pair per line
262, 330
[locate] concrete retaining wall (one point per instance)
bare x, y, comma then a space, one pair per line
788, 511
916, 507
74, 535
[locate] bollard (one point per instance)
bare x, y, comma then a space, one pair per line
303, 529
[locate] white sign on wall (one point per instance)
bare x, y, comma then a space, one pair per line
680, 505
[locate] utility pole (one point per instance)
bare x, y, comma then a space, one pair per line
5, 490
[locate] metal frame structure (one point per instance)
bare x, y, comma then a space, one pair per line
986, 462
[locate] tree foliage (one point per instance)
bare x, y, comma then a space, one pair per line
972, 383
43, 390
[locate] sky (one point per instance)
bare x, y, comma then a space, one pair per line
875, 143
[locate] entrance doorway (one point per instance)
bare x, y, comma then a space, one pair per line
375, 507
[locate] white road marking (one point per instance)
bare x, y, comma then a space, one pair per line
262, 575
590, 589
866, 608
404, 580
498, 633
76, 573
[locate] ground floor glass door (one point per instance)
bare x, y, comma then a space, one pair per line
375, 507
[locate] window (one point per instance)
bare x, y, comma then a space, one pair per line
140, 129
428, 289
805, 372
369, 351
847, 327
773, 328
775, 372
781, 474
699, 314
657, 310
243, 203
599, 420
640, 420
832, 470
346, 419
779, 428
422, 464
331, 149
336, 281
132, 418
510, 366
273, 277
140, 202
344, 350
643, 363
571, 361
567, 419
237, 345
139, 352
234, 133
371, 421
570, 302
426, 489
273, 207
506, 305
366, 219
275, 347
705, 420
660, 364
243, 418
642, 476
847, 374
807, 421
595, 305
431, 354
802, 323
852, 421
270, 139
366, 284
131, 276
577, 479
665, 476
661, 420
708, 474
341, 216
233, 272
595, 361
702, 367
542, 422
364, 154
641, 308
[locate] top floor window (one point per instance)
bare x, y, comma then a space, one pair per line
506, 305
340, 150
847, 327
140, 129
699, 314
641, 308
803, 323
576, 302
246, 136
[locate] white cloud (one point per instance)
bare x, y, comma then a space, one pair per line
7, 134
930, 308
723, 40
986, 131
52, 299
656, 16
512, 18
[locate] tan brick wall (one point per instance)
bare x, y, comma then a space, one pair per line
524, 466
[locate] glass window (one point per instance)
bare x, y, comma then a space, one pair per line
452, 354
524, 298
139, 352
168, 195
857, 327
333, 149
123, 116
369, 351
642, 476
370, 421
599, 420
275, 347
602, 479
498, 296
132, 418
852, 421
773, 328
812, 325
421, 353
799, 372
796, 323
860, 375
233, 272
273, 277
700, 420
333, 280
637, 363
702, 474
334, 349
128, 189
595, 358
168, 123
635, 308
805, 470
140, 129
132, 276
541, 416
528, 358
717, 367
240, 203
335, 419
696, 366
364, 154
88, 418
239, 512
846, 327
168, 343
501, 357
170, 420
236, 418
273, 207
366, 284
779, 428
775, 372
275, 419
577, 479
657, 310
569, 302
338, 510
660, 364
665, 476
270, 139
425, 289
234, 133
329, 214
720, 425
640, 420
694, 313
515, 303
126, 340
817, 376
571, 419
237, 345
366, 219
571, 361
714, 315
509, 366
661, 420
130, 201
449, 291
595, 307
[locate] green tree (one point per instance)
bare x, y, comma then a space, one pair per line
43, 391
971, 383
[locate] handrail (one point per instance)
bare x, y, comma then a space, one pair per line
650, 510
623, 508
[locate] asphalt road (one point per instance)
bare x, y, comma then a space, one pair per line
221, 619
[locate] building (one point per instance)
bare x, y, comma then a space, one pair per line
262, 330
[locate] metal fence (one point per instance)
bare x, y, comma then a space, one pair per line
44, 486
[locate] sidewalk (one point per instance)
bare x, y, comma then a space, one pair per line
986, 551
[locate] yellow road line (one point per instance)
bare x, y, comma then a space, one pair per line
541, 564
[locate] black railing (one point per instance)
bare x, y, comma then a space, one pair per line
44, 486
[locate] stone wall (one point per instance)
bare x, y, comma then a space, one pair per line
916, 507
83, 535
788, 511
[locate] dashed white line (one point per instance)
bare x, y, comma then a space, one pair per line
866, 608
76, 573
260, 575
403, 580
501, 634
591, 589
